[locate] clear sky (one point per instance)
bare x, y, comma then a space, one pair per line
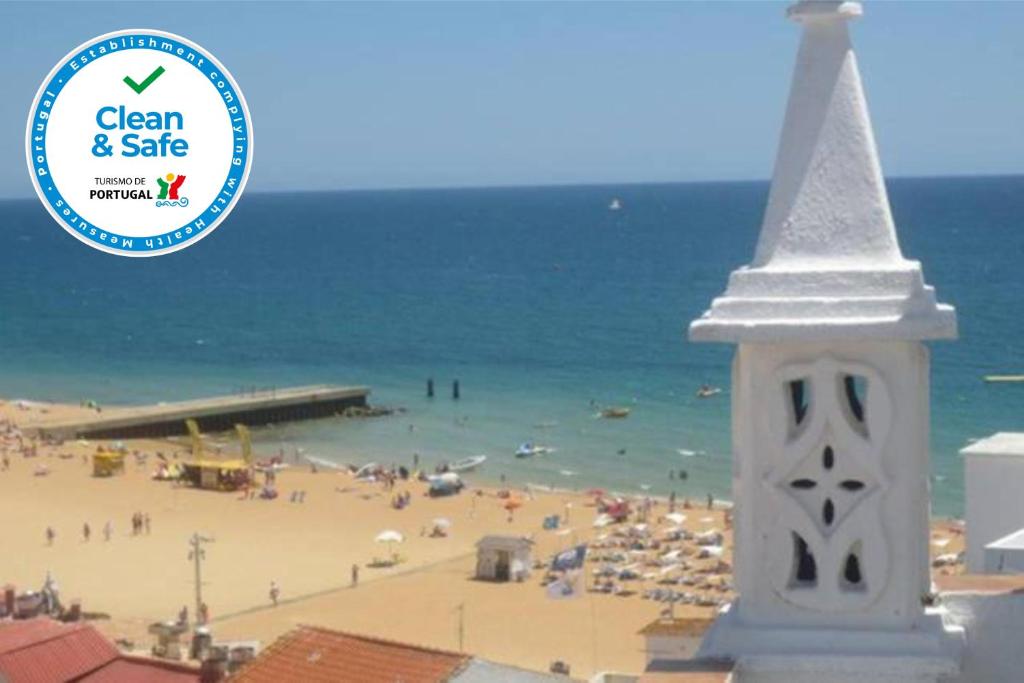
347, 96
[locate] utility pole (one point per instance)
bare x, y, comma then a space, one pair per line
197, 555
462, 626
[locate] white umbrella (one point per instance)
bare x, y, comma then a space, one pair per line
441, 523
676, 517
390, 537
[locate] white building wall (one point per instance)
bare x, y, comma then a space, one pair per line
994, 491
994, 623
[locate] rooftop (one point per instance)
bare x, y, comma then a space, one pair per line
999, 444
692, 627
46, 651
43, 651
688, 671
318, 655
1014, 541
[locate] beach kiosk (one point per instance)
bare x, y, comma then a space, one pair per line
218, 475
107, 463
503, 558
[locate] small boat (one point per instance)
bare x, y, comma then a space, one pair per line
707, 391
615, 205
527, 450
467, 464
1004, 378
615, 412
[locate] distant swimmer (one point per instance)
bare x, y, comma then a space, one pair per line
707, 391
622, 451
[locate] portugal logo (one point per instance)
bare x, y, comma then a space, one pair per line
169, 186
120, 124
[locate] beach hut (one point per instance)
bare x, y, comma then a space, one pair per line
503, 558
107, 463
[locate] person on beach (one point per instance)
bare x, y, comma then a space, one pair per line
204, 614
275, 592
145, 522
50, 535
355, 575
86, 532
183, 615
711, 501
108, 530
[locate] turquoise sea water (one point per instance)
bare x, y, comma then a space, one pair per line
539, 300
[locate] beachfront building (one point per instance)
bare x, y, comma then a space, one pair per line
830, 399
503, 558
993, 481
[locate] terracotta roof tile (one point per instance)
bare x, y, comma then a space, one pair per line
319, 655
126, 669
45, 651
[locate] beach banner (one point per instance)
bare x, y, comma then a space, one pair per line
569, 559
568, 587
139, 142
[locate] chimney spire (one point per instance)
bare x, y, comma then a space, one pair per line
827, 263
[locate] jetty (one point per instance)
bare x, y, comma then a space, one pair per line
215, 414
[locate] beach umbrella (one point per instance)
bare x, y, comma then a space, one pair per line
442, 523
676, 517
391, 537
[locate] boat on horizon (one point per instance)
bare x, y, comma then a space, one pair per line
615, 205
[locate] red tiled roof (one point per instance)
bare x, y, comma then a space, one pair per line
319, 655
45, 651
126, 669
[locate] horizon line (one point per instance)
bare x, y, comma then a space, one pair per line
580, 184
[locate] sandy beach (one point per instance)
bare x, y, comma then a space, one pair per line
309, 549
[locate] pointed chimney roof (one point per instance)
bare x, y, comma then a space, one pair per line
827, 264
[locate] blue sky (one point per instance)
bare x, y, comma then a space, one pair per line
351, 96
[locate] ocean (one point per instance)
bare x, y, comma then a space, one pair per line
542, 302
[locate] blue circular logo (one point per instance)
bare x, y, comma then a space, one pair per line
139, 142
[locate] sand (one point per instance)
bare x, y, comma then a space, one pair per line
308, 549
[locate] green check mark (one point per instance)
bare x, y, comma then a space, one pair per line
139, 87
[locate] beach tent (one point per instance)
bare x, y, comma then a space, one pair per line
107, 463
